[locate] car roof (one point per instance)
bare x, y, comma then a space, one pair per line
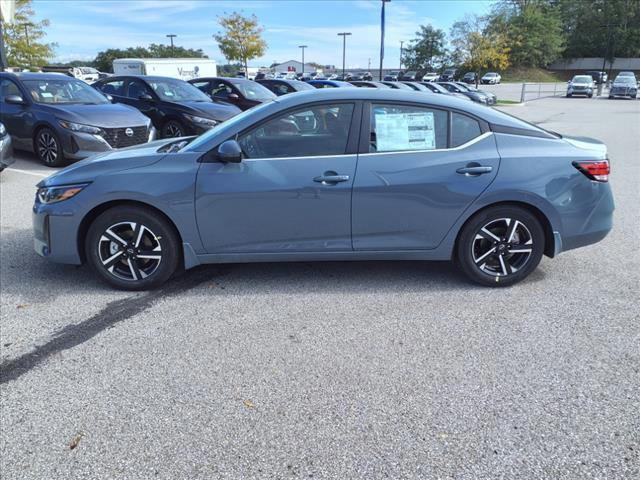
37, 76
152, 78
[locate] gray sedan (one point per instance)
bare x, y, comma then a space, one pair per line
333, 174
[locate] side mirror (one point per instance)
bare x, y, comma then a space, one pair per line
230, 152
109, 97
146, 97
14, 100
233, 96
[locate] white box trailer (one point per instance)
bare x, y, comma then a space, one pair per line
182, 68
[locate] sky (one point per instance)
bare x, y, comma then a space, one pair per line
82, 28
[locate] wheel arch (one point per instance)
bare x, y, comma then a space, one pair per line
549, 239
92, 214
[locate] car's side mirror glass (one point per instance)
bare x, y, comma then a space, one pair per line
146, 97
14, 99
229, 152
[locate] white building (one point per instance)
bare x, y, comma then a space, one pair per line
293, 66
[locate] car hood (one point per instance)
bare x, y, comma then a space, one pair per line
586, 143
108, 162
212, 110
106, 115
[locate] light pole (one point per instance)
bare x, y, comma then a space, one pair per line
302, 47
171, 36
26, 26
344, 47
401, 42
382, 36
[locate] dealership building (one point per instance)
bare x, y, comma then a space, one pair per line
295, 66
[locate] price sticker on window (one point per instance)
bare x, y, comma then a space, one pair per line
404, 131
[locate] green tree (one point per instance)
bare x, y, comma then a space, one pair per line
23, 38
241, 39
104, 60
425, 50
533, 29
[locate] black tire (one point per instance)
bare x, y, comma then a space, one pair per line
48, 148
510, 261
591, 95
126, 255
173, 128
568, 95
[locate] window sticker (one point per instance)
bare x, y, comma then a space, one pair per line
405, 131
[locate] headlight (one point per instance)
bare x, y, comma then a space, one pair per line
3, 130
77, 127
48, 195
205, 122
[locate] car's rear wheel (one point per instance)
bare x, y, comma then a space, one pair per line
500, 246
48, 148
173, 128
133, 248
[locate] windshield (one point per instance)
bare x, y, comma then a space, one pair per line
254, 91
625, 79
88, 70
437, 88
462, 87
63, 91
170, 90
491, 75
221, 127
582, 79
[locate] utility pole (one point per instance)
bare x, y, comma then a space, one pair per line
344, 48
302, 47
26, 26
401, 42
171, 36
382, 36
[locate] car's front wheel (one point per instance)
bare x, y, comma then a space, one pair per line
133, 248
48, 149
500, 246
173, 128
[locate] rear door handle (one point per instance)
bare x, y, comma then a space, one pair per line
474, 170
331, 178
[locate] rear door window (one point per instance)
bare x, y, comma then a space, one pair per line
463, 129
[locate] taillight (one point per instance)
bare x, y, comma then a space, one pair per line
598, 170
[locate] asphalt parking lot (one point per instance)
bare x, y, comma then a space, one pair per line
330, 370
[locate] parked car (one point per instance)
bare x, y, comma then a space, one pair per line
598, 76
469, 77
397, 85
449, 75
435, 88
416, 86
626, 73
369, 84
491, 78
240, 92
491, 97
392, 76
325, 176
6, 150
430, 77
458, 88
60, 118
282, 87
580, 85
329, 84
410, 76
176, 108
624, 86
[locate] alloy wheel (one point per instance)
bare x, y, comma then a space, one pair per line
47, 147
129, 251
502, 247
174, 130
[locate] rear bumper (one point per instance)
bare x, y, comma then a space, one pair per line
6, 152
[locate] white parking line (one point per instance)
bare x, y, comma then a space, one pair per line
27, 172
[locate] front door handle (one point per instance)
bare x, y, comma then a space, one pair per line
474, 170
331, 178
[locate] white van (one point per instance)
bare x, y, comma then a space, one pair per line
182, 68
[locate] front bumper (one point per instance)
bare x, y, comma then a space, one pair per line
54, 233
623, 92
6, 152
580, 91
79, 145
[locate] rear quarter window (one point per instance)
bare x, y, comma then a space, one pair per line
463, 129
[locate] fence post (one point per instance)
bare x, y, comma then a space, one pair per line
539, 90
524, 86
555, 85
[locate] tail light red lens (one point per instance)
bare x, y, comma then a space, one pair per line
597, 171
